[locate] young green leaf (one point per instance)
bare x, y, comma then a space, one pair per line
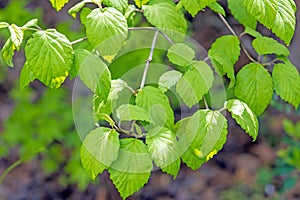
164, 149
244, 116
8, 52
31, 24
94, 73
4, 25
240, 13
58, 4
252, 32
132, 169
113, 28
84, 13
263, 10
224, 53
285, 21
180, 54
77, 7
165, 16
49, 55
120, 5
287, 82
16, 35
99, 150
157, 103
195, 83
168, 80
216, 7
26, 76
128, 112
254, 87
194, 6
140, 3
265, 45
129, 14
208, 130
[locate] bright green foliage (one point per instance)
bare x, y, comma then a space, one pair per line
26, 76
164, 149
77, 7
120, 5
132, 169
31, 24
165, 17
129, 112
287, 82
263, 10
266, 45
180, 54
140, 3
244, 116
254, 86
224, 53
49, 55
99, 150
195, 83
94, 73
3, 25
240, 13
285, 21
194, 6
8, 52
16, 35
168, 80
58, 4
252, 32
208, 131
157, 103
216, 7
113, 28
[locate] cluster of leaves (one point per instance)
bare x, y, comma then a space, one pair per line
58, 146
51, 57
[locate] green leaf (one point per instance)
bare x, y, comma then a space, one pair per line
195, 83
224, 53
244, 116
216, 7
157, 103
129, 14
194, 6
265, 45
16, 35
77, 7
128, 112
58, 4
285, 21
132, 169
263, 10
8, 52
83, 14
140, 3
240, 13
79, 57
120, 5
49, 55
113, 28
164, 149
287, 82
208, 131
4, 25
94, 73
168, 80
99, 150
252, 32
181, 54
254, 87
165, 16
31, 24
26, 76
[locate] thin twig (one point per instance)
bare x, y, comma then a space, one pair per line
9, 169
149, 60
152, 29
232, 31
79, 40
